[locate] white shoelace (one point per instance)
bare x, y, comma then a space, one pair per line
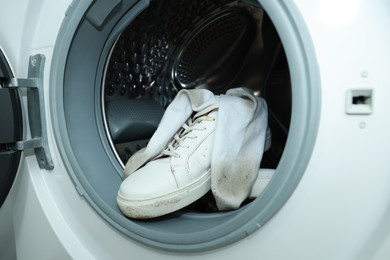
187, 129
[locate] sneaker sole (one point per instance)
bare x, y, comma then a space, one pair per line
168, 203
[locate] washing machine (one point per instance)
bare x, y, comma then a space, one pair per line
83, 85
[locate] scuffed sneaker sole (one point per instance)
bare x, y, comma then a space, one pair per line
168, 203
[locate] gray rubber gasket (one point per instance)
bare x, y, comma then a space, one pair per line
76, 73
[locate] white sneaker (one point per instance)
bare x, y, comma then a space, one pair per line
179, 176
263, 178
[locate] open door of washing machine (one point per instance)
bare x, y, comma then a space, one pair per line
11, 130
12, 138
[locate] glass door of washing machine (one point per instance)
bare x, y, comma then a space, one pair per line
11, 130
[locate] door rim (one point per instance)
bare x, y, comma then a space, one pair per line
236, 225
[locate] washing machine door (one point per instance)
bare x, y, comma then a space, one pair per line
11, 130
12, 141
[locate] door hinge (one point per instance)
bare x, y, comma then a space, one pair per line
36, 111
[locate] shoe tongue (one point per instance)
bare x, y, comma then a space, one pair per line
193, 117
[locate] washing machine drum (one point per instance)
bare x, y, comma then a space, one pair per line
125, 64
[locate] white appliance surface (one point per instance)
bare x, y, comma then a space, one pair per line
341, 207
